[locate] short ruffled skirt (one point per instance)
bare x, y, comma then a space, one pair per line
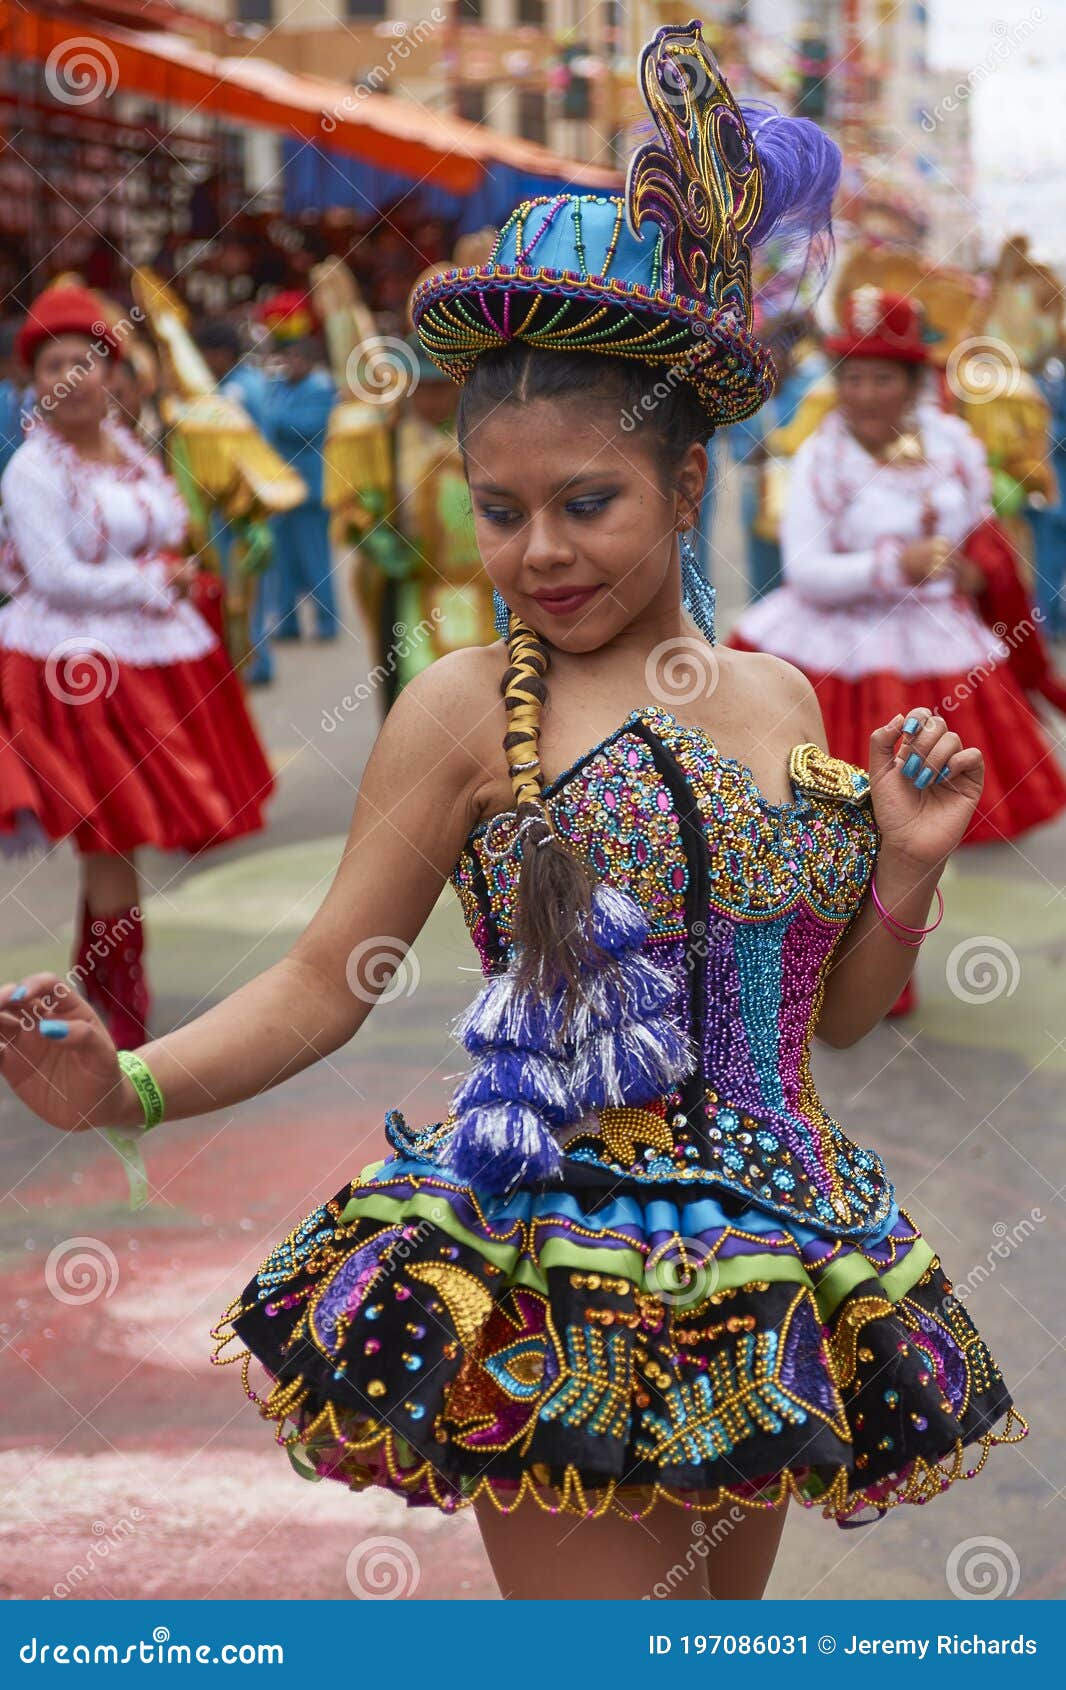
115, 756
601, 1346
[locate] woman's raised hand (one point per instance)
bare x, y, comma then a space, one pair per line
924, 784
924, 560
57, 1056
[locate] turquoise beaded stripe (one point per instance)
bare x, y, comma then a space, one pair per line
461, 314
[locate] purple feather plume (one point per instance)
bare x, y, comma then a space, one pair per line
800, 174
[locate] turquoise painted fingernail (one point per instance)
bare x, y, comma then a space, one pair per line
911, 766
18, 994
910, 724
53, 1029
943, 775
925, 779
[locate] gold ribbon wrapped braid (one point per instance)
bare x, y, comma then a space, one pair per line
524, 693
552, 926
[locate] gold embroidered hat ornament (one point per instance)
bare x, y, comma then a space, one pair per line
663, 273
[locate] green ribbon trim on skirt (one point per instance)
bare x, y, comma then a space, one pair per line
838, 1281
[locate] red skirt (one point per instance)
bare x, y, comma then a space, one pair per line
1024, 785
162, 755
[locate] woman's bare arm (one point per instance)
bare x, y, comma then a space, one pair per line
871, 967
919, 830
418, 799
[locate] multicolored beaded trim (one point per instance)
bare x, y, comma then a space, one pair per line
461, 314
837, 1501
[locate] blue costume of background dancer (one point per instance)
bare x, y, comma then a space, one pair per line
220, 344
298, 406
1049, 525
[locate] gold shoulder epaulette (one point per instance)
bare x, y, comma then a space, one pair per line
813, 770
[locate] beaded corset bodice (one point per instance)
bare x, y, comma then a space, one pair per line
746, 902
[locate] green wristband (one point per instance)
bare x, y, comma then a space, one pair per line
127, 1145
144, 1084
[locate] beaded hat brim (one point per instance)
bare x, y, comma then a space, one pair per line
462, 314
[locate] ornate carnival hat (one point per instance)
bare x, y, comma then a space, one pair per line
880, 324
663, 273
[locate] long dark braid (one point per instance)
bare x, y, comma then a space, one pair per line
552, 913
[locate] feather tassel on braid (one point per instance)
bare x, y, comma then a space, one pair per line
581, 1019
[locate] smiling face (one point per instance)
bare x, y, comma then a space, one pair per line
874, 395
577, 520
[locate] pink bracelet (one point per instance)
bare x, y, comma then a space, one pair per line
893, 923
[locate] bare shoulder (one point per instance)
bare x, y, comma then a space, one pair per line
450, 714
455, 696
777, 699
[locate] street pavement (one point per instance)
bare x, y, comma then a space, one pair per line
132, 1467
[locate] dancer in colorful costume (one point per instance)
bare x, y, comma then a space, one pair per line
636, 1262
800, 364
420, 576
1049, 522
242, 378
878, 594
231, 479
298, 403
396, 485
125, 723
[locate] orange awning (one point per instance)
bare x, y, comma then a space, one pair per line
392, 134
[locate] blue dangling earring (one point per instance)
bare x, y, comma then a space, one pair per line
697, 593
501, 614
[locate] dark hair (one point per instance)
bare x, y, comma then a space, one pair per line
552, 920
655, 401
218, 335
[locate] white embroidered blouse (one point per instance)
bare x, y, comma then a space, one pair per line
845, 606
85, 549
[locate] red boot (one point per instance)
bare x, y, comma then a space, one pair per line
906, 1003
110, 969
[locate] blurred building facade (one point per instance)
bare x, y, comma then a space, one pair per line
563, 72
559, 72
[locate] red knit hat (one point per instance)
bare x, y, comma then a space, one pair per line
64, 310
878, 324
